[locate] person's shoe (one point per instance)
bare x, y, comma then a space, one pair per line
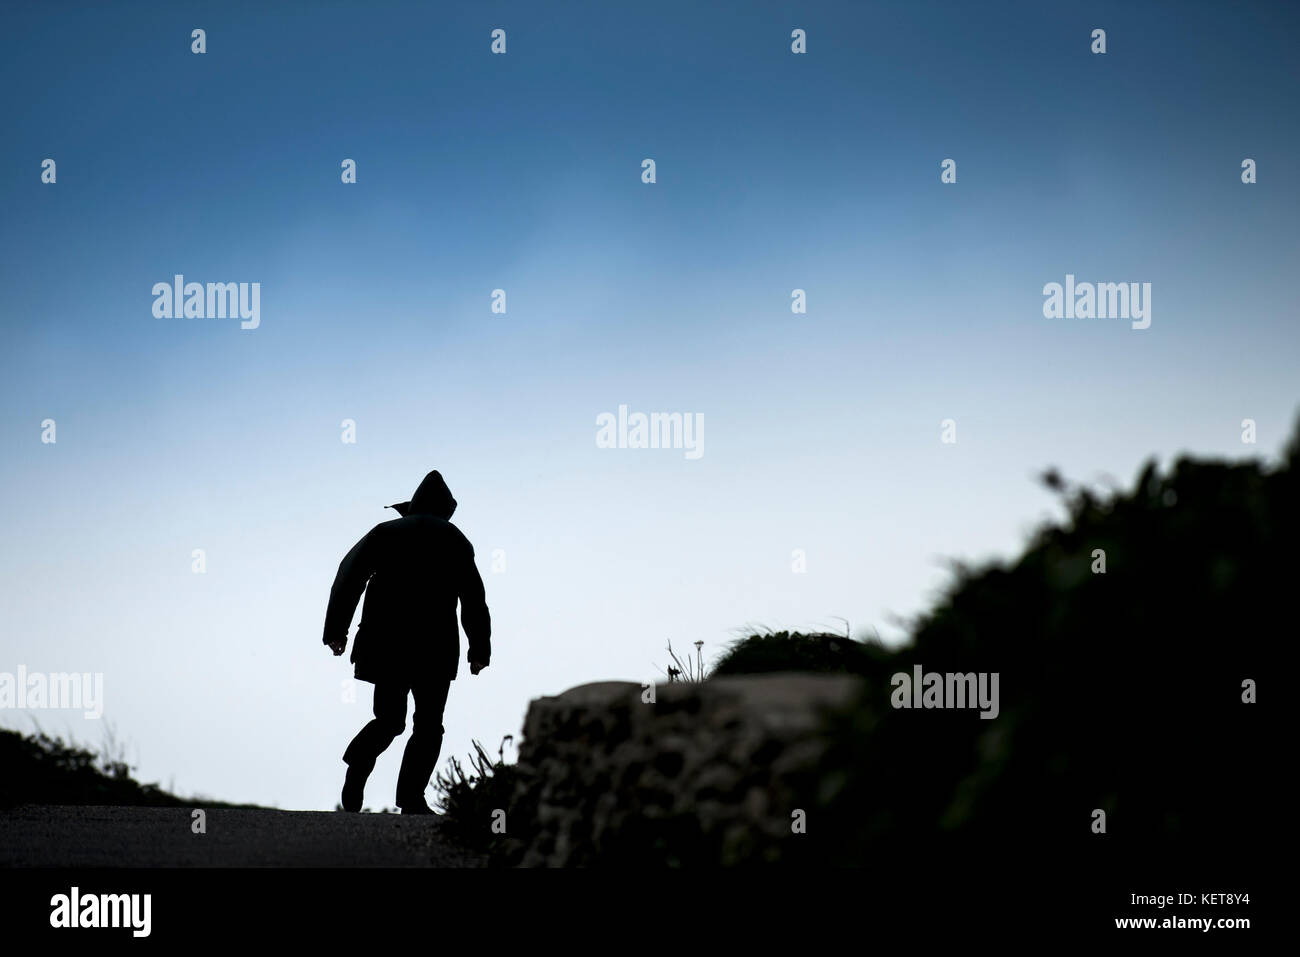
420, 808
354, 786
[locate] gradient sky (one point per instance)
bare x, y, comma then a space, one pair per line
523, 172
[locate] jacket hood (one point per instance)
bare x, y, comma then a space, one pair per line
431, 498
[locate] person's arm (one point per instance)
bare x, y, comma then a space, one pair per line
354, 571
474, 617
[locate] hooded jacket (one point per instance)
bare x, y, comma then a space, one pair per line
413, 569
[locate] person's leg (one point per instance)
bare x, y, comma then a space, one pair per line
422, 750
370, 742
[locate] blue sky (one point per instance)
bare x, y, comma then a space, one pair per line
522, 171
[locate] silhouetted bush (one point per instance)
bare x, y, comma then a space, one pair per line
1120, 691
762, 652
44, 769
469, 800
40, 769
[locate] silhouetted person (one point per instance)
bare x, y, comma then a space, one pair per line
417, 567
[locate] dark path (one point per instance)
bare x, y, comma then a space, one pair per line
68, 836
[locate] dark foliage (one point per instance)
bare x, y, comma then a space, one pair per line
763, 652
42, 769
1120, 691
470, 799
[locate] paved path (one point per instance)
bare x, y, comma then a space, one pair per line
68, 836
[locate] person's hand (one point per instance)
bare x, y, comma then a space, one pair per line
475, 667
338, 646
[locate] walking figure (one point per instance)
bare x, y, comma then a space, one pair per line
416, 567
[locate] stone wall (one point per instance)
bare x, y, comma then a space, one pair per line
710, 773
